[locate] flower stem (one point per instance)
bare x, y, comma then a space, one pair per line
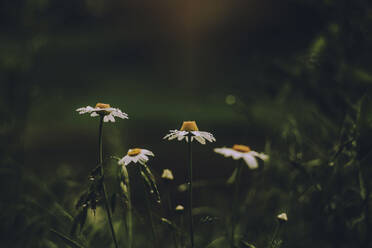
190, 192
235, 203
275, 234
100, 162
148, 205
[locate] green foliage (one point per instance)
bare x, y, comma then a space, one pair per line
299, 85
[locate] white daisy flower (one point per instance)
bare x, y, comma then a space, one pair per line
244, 152
136, 155
167, 174
190, 128
282, 217
105, 110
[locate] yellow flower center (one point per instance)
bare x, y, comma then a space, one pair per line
134, 152
241, 148
189, 126
102, 105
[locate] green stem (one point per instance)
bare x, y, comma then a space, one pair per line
275, 234
170, 211
100, 162
235, 203
190, 192
148, 205
130, 224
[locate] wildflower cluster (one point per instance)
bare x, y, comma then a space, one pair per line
189, 132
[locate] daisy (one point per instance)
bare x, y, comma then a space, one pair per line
103, 109
136, 155
244, 152
189, 128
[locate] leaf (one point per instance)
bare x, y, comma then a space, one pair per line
218, 242
152, 181
313, 162
169, 223
124, 174
113, 202
83, 218
147, 180
79, 220
357, 220
67, 240
232, 178
246, 244
363, 193
60, 210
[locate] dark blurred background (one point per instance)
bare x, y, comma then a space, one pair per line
250, 72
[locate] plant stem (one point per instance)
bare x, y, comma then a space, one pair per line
130, 222
170, 211
190, 192
235, 203
275, 234
148, 205
100, 162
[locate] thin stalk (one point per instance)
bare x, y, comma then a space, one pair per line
181, 233
148, 205
190, 192
100, 162
235, 203
129, 220
170, 211
275, 234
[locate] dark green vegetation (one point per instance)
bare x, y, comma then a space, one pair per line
291, 78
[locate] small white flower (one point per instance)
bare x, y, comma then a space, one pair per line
244, 152
282, 217
179, 208
105, 110
190, 128
167, 174
136, 155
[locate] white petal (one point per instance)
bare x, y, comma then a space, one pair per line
263, 156
135, 158
94, 114
147, 152
207, 136
119, 114
250, 161
200, 139
173, 136
110, 118
142, 159
127, 160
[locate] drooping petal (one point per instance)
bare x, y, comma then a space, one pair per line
147, 152
250, 161
236, 155
200, 139
108, 118
205, 135
263, 156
